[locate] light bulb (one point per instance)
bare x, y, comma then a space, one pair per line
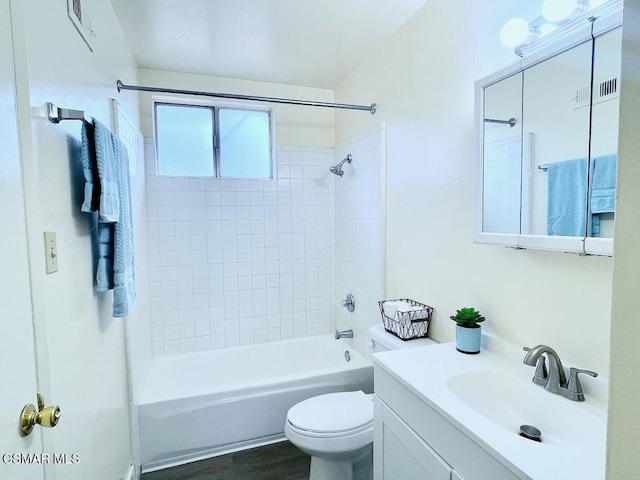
515, 32
557, 10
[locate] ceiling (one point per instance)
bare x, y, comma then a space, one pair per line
299, 42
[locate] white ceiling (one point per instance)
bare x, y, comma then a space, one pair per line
299, 42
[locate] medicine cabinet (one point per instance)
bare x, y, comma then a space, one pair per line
546, 142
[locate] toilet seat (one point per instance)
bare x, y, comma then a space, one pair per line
332, 415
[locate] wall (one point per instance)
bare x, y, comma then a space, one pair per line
295, 125
137, 326
80, 347
235, 262
624, 415
359, 233
423, 82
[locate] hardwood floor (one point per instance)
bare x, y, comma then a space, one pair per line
280, 461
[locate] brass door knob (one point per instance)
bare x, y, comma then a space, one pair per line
44, 416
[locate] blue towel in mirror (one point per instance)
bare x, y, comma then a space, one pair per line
603, 184
567, 198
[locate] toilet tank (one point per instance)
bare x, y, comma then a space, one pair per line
380, 340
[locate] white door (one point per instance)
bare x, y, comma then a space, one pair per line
17, 358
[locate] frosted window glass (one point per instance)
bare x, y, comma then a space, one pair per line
184, 141
245, 149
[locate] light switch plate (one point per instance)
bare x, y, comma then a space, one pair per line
51, 251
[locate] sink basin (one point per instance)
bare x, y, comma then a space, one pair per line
511, 402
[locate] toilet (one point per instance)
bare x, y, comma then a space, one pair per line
336, 429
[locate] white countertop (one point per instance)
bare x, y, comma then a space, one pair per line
581, 457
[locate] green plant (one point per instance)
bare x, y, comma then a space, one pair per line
467, 316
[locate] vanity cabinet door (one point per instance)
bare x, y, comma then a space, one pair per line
400, 454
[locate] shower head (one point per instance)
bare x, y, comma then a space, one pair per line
337, 169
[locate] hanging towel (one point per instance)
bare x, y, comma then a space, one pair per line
567, 198
91, 203
90, 170
603, 184
115, 220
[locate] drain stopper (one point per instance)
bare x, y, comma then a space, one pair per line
531, 433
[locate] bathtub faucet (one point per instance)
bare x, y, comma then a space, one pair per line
344, 334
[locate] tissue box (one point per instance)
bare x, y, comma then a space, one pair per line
405, 318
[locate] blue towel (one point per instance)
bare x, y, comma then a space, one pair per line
567, 198
603, 184
115, 221
91, 203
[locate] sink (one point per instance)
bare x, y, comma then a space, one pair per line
511, 402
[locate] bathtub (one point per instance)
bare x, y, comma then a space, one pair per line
202, 404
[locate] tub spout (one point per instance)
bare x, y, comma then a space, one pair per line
344, 334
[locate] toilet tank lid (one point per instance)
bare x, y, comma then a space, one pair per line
391, 342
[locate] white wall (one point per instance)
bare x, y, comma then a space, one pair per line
624, 415
80, 347
423, 82
359, 233
295, 125
236, 262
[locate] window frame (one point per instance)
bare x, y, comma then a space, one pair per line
215, 107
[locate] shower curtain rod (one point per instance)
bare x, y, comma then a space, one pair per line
370, 108
511, 122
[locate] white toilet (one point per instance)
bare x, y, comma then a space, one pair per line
336, 429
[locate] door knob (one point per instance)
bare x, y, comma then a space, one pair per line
44, 416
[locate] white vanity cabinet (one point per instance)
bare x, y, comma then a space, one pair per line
401, 453
412, 441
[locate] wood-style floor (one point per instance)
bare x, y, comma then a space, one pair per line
280, 461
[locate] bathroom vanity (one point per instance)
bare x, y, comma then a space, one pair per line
441, 415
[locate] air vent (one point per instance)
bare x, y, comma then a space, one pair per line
603, 91
608, 88
582, 97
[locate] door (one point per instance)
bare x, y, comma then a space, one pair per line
20, 456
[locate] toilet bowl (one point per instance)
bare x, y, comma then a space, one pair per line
336, 429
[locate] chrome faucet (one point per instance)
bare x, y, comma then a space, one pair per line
555, 380
344, 334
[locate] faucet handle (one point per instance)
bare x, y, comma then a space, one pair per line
574, 385
541, 374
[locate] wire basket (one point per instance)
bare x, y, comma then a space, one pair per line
407, 325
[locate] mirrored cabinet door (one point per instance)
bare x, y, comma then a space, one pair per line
604, 134
502, 156
556, 118
547, 136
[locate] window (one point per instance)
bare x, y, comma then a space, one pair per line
204, 141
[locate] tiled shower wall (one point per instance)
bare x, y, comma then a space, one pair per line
236, 262
360, 233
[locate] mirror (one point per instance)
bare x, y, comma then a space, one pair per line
604, 132
549, 148
502, 153
554, 116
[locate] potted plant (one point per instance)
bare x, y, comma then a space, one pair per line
468, 332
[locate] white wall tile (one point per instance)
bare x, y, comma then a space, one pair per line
235, 262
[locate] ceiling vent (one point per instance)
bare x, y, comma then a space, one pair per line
603, 92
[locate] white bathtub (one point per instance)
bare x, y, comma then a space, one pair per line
202, 404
